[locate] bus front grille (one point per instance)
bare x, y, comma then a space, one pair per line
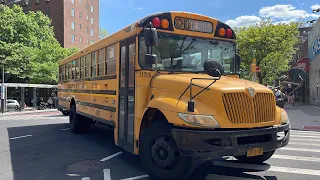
241, 108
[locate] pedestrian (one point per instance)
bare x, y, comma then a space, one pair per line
290, 95
50, 102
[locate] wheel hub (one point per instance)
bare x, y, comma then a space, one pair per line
164, 152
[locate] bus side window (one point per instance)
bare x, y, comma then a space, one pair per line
94, 64
69, 70
88, 59
111, 60
82, 65
65, 72
101, 60
73, 69
77, 69
59, 79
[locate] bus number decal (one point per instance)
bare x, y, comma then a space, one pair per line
94, 85
98, 113
145, 74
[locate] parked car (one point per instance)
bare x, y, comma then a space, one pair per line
13, 104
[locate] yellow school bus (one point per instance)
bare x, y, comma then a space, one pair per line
168, 85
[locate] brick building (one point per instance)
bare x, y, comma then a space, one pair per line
75, 22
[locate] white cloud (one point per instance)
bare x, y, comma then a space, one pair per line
284, 11
315, 6
285, 21
139, 8
280, 13
243, 21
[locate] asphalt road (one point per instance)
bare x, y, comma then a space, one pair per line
41, 147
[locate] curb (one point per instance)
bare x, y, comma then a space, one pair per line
311, 128
313, 123
28, 112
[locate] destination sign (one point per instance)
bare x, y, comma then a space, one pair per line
193, 25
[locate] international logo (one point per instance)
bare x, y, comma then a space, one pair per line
251, 91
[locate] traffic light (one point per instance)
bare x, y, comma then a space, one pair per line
253, 68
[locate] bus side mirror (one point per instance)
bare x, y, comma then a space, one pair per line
150, 36
151, 40
150, 59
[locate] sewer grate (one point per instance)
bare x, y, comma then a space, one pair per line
85, 166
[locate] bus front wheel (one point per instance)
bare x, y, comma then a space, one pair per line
78, 123
160, 156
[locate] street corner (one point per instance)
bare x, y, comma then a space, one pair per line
313, 124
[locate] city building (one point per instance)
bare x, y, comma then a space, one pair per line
301, 60
303, 34
314, 61
75, 22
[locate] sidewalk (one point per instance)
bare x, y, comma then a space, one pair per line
304, 117
27, 111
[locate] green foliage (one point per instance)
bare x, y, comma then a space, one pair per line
272, 45
28, 45
103, 33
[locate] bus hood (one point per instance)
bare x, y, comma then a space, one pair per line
179, 82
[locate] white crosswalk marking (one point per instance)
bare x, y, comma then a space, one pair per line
268, 168
305, 144
305, 140
300, 149
292, 160
302, 136
298, 158
304, 132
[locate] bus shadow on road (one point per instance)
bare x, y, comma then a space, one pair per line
46, 151
213, 172
51, 149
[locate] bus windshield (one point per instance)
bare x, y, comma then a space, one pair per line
179, 53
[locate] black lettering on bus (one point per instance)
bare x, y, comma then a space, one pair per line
145, 74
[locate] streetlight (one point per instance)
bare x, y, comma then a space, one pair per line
316, 10
14, 1
311, 21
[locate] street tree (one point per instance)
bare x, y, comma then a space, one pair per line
272, 45
28, 46
103, 33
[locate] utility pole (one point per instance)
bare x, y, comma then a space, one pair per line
254, 70
2, 87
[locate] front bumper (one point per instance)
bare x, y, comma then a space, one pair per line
224, 142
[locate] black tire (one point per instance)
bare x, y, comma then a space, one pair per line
255, 159
156, 140
65, 113
78, 123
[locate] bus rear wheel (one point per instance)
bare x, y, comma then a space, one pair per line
65, 113
78, 123
255, 159
160, 156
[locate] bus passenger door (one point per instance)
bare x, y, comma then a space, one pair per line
126, 95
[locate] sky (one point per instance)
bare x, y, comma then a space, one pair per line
117, 14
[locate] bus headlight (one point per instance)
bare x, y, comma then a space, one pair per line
284, 117
199, 120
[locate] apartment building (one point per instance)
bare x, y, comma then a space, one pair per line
75, 22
